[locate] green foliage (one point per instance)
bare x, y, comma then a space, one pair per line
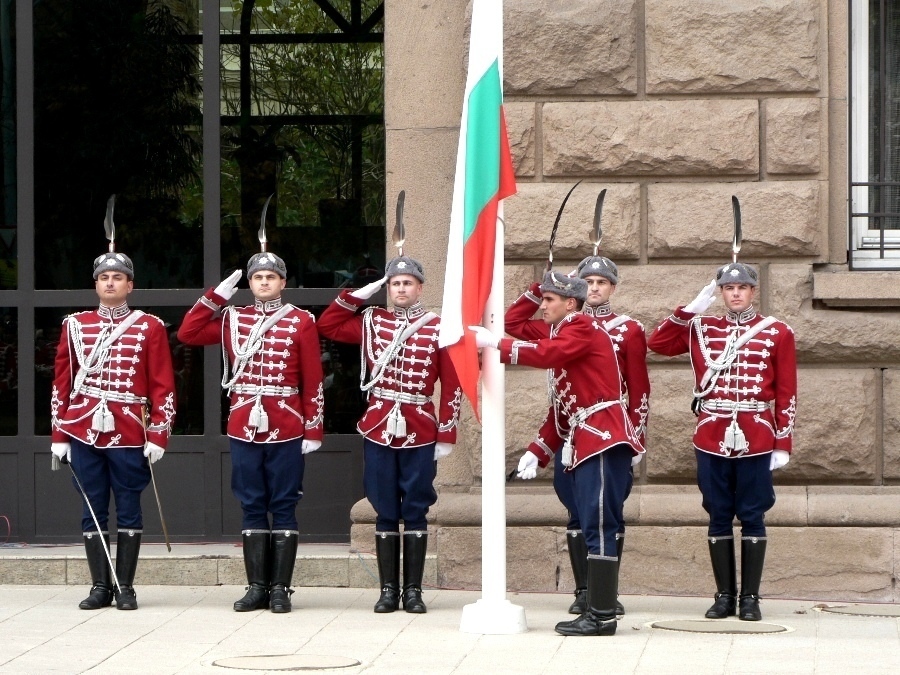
314, 162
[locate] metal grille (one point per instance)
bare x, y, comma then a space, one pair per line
875, 136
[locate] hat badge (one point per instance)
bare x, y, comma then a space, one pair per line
595, 265
734, 273
401, 265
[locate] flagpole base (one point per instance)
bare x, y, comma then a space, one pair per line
493, 617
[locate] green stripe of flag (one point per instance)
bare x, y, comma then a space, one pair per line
482, 146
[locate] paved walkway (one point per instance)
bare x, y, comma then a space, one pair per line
188, 629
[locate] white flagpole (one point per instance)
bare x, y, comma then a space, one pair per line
493, 614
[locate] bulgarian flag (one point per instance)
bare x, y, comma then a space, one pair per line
484, 177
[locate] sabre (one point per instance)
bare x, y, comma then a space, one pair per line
108, 223
556, 225
399, 235
262, 238
738, 236
54, 465
159, 506
598, 216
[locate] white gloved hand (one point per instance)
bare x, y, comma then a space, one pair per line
153, 452
63, 451
229, 286
484, 337
779, 459
636, 460
528, 466
369, 290
704, 299
308, 446
442, 450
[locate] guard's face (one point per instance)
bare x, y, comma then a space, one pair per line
266, 285
599, 290
737, 297
404, 290
113, 288
554, 307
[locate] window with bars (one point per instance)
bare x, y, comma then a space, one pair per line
875, 135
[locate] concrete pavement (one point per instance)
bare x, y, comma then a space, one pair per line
191, 629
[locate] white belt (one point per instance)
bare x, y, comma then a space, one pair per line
581, 415
114, 396
400, 396
578, 418
726, 405
264, 390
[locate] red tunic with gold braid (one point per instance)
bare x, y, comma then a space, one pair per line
275, 374
586, 415
629, 343
404, 372
748, 377
113, 387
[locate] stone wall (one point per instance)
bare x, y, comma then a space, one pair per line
672, 106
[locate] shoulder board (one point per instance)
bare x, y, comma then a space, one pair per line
778, 322
305, 311
153, 316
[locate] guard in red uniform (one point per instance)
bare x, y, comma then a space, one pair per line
589, 423
745, 397
404, 434
112, 408
630, 345
275, 383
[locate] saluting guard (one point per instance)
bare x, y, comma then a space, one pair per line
112, 410
273, 373
630, 345
745, 398
404, 434
587, 423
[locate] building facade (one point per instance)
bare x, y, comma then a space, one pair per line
673, 106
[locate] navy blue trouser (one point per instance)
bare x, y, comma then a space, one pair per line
125, 471
739, 486
600, 486
267, 478
400, 485
564, 485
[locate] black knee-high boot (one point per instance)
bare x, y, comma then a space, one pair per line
600, 618
415, 545
101, 594
578, 559
387, 550
128, 545
284, 555
256, 564
721, 554
753, 557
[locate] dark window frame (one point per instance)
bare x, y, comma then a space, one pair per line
33, 450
